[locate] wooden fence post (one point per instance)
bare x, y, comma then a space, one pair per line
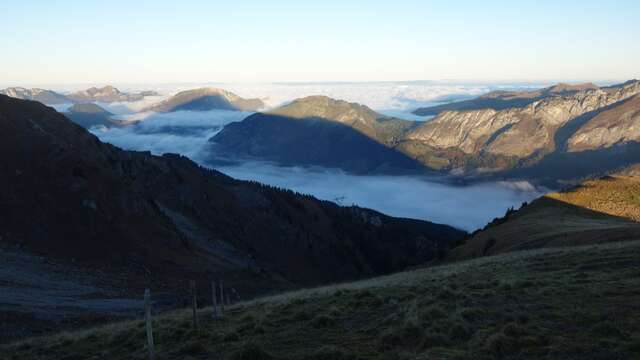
148, 325
236, 294
221, 299
194, 304
214, 300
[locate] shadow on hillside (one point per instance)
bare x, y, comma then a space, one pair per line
557, 168
308, 142
196, 102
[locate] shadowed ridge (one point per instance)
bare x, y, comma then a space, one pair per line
383, 129
319, 131
90, 115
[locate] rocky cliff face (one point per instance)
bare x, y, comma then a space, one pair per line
520, 132
205, 99
612, 127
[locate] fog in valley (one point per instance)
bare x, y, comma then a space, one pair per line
187, 133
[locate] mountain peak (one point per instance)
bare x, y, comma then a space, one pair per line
320, 106
204, 99
88, 108
565, 87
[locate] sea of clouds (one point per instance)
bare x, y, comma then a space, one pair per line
465, 207
187, 133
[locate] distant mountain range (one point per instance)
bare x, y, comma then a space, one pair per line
562, 126
205, 99
106, 94
46, 97
500, 99
552, 136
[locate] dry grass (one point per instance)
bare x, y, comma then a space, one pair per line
580, 303
614, 195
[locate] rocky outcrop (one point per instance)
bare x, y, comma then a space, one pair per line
205, 99
46, 97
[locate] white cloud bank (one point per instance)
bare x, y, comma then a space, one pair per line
187, 133
466, 207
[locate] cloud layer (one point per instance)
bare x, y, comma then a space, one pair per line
187, 133
466, 207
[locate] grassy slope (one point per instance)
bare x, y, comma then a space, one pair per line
578, 303
602, 210
616, 195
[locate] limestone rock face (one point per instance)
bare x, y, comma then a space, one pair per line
516, 132
618, 125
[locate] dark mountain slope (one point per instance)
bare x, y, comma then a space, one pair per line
205, 99
67, 194
319, 131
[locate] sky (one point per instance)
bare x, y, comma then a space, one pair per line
62, 42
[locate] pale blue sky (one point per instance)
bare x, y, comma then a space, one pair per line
136, 41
